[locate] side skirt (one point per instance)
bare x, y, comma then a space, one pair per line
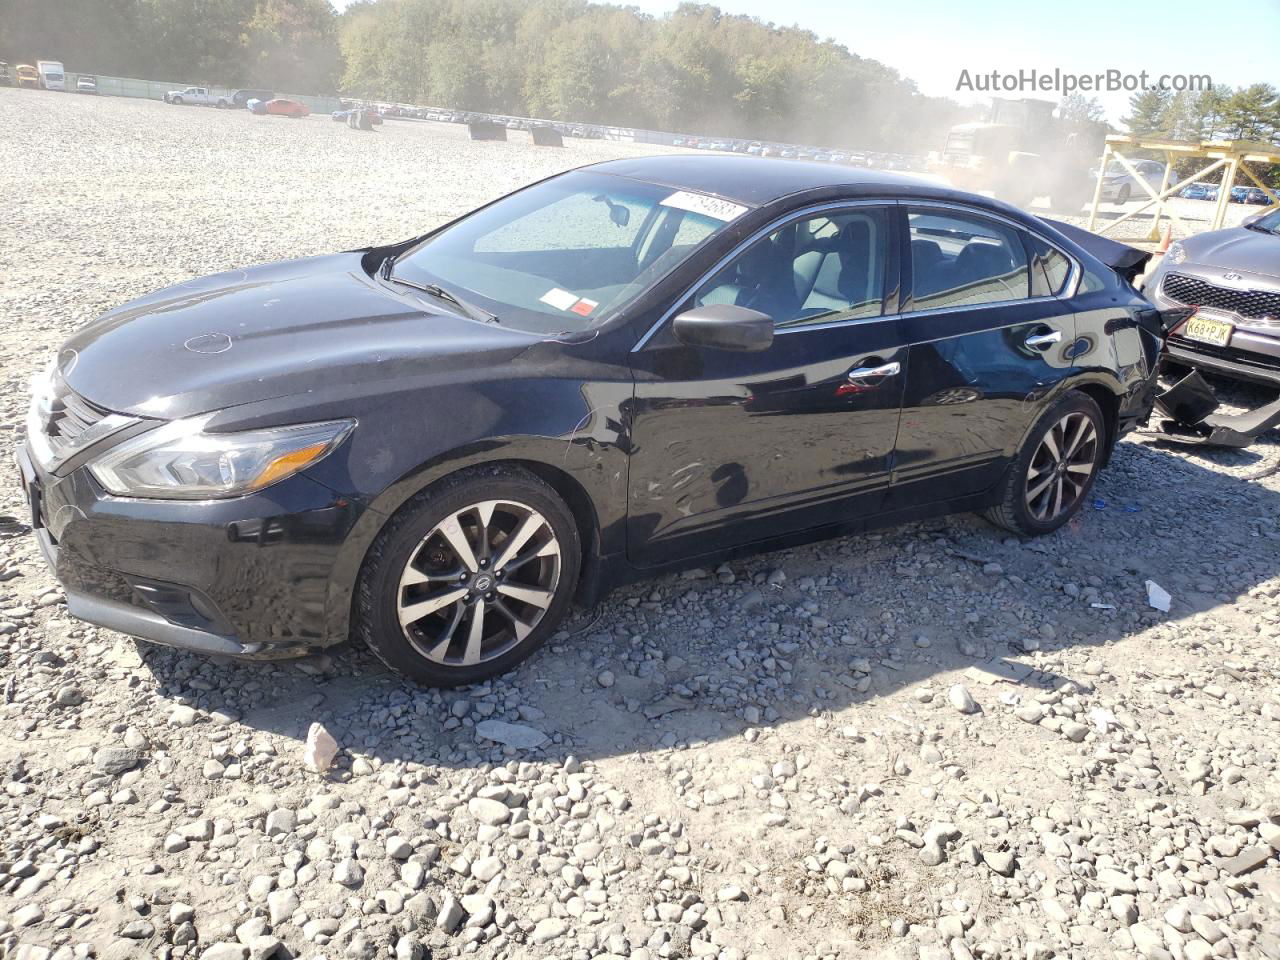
616, 570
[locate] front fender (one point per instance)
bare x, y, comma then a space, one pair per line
584, 455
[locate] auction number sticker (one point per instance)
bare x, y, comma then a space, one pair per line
713, 207
560, 299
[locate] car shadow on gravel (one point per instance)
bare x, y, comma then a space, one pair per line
691, 659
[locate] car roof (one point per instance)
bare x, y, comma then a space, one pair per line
757, 181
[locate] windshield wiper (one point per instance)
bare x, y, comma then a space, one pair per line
1261, 229
448, 296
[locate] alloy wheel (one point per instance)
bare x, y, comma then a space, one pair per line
1061, 467
478, 583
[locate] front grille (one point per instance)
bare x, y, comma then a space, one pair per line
61, 424
1263, 305
69, 417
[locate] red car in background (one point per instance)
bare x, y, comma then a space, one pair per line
279, 107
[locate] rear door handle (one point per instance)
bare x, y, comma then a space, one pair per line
884, 370
1041, 340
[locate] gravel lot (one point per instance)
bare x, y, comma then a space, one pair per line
935, 742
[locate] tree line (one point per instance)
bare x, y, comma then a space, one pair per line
1219, 113
1244, 113
696, 69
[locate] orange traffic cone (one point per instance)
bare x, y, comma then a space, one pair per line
1168, 237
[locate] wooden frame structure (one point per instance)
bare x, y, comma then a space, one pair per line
1227, 155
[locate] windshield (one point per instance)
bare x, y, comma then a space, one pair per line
566, 254
1269, 223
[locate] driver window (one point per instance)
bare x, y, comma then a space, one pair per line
817, 270
959, 260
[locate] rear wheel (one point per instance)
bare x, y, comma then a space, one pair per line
1124, 194
469, 578
1055, 470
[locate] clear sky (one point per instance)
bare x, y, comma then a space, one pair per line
931, 41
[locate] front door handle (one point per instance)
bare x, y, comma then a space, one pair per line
884, 370
1041, 340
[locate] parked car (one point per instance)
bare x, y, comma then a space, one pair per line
52, 76
1232, 278
358, 118
1260, 197
1197, 191
28, 76
1239, 194
586, 414
86, 83
241, 98
6, 78
284, 107
1119, 185
201, 96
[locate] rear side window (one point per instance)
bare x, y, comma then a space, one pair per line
959, 260
1049, 269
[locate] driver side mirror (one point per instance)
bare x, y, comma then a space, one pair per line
724, 326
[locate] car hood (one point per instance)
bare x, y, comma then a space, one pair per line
1236, 249
280, 330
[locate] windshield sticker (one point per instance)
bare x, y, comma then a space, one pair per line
560, 299
585, 306
713, 207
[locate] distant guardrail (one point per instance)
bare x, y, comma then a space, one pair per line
156, 89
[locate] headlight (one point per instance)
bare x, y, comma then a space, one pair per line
179, 461
1176, 253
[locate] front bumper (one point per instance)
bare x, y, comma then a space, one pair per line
245, 577
1253, 353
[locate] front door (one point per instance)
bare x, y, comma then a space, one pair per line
732, 447
988, 342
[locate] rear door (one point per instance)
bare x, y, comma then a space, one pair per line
986, 347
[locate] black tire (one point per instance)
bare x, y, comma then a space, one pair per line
376, 614
1124, 194
1012, 511
177, 100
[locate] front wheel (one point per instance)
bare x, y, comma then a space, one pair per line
469, 577
1055, 469
177, 100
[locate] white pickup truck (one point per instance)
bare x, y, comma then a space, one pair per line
200, 95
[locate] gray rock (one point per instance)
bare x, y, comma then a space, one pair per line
115, 760
450, 916
511, 734
348, 873
548, 929
960, 698
492, 812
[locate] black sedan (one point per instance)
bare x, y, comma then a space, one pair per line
436, 445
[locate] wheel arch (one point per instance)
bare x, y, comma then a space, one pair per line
1109, 403
570, 488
